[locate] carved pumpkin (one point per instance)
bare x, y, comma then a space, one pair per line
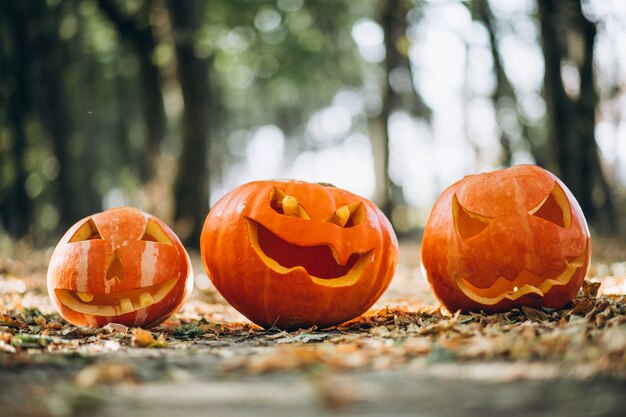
506, 239
122, 266
294, 254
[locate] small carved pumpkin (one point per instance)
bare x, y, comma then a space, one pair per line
122, 266
506, 239
294, 254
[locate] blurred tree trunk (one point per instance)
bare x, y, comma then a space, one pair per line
50, 60
380, 125
504, 94
86, 127
392, 17
15, 205
191, 186
136, 30
38, 61
567, 36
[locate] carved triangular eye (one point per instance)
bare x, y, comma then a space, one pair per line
554, 208
88, 231
154, 233
288, 205
348, 215
466, 223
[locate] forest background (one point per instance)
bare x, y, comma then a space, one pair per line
167, 105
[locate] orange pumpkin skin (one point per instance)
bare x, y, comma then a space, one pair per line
279, 270
131, 264
509, 238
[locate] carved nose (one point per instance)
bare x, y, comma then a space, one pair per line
116, 269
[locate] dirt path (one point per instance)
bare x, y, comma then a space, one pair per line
171, 383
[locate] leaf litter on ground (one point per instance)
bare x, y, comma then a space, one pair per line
406, 329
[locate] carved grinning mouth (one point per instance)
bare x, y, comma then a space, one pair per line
525, 283
110, 305
320, 261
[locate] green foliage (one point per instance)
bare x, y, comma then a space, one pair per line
295, 59
271, 62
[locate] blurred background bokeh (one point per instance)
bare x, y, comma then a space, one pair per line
167, 105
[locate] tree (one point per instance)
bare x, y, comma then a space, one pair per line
39, 120
14, 202
392, 17
191, 186
136, 30
56, 110
504, 93
567, 37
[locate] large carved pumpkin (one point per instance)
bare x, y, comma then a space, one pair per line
123, 266
506, 239
294, 254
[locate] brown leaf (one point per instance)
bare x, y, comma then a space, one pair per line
535, 315
380, 331
583, 307
5, 320
598, 308
144, 338
280, 335
590, 289
116, 328
412, 328
40, 320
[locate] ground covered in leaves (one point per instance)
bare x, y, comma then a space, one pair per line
405, 355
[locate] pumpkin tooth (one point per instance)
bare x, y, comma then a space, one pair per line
105, 311
126, 306
145, 299
335, 255
341, 216
85, 296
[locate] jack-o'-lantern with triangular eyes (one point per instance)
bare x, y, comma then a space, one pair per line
509, 238
295, 254
119, 266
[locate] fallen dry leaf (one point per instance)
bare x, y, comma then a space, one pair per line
144, 338
535, 315
584, 306
116, 328
590, 289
